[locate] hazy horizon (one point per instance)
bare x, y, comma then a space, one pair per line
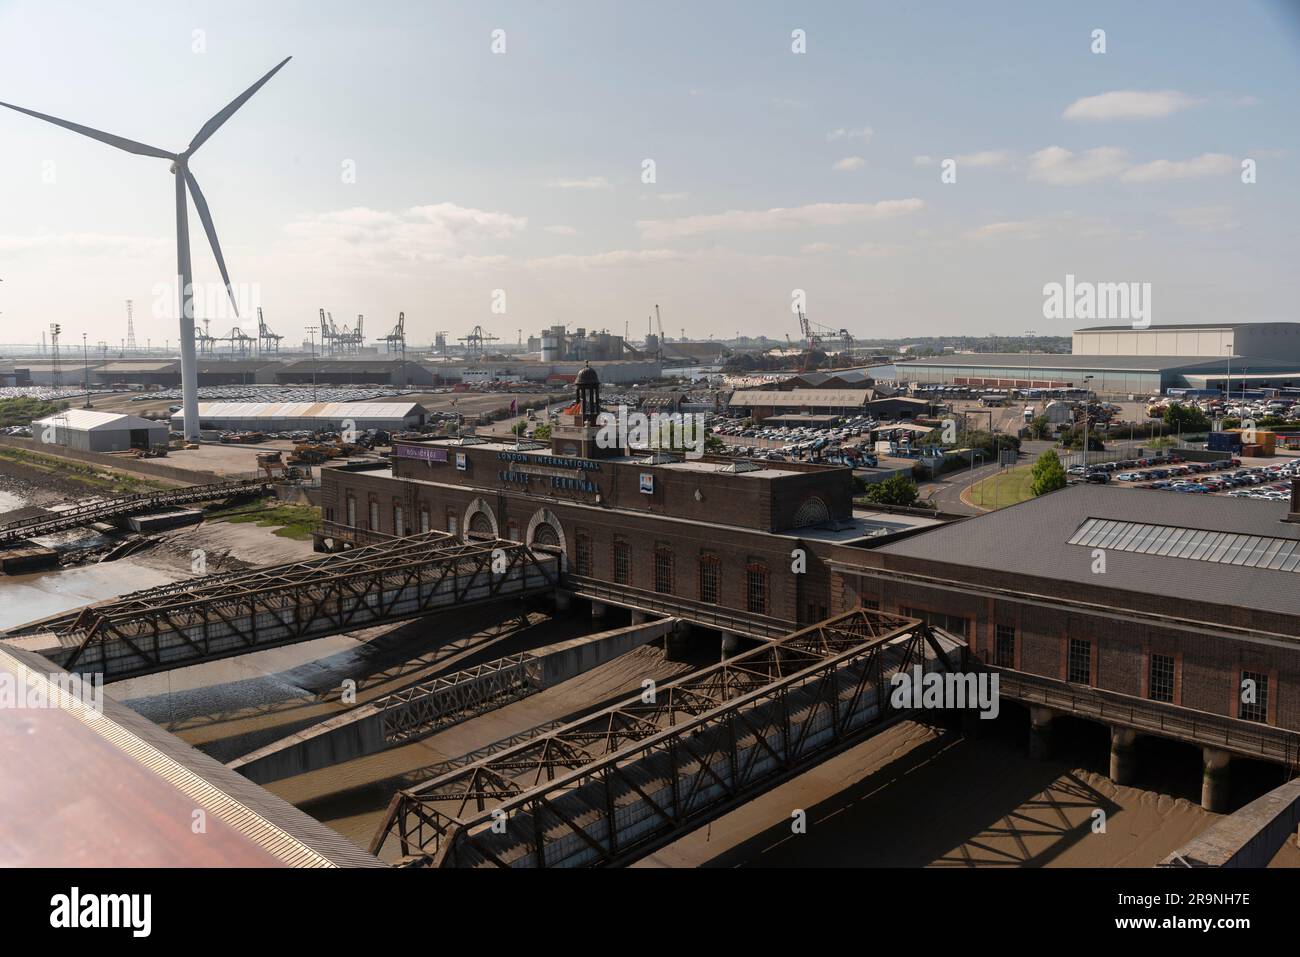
399, 163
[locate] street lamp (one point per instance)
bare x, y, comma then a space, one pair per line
85, 362
1087, 412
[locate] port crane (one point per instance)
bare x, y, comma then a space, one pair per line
474, 342
267, 341
396, 339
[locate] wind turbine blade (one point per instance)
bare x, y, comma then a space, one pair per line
205, 216
214, 124
131, 146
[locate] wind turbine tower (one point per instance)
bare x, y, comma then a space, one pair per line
180, 169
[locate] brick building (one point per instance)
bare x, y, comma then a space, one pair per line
1095, 601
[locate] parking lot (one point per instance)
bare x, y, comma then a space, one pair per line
1263, 479
843, 444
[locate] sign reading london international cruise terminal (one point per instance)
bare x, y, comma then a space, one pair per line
558, 482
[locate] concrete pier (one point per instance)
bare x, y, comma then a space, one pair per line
730, 644
1214, 780
1040, 732
1250, 837
443, 701
1123, 756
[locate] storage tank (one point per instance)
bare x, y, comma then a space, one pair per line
551, 347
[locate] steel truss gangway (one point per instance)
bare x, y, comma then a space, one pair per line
125, 505
613, 786
231, 614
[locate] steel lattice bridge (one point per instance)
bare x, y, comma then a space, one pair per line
619, 783
125, 505
221, 616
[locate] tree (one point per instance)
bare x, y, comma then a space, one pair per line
1185, 418
542, 433
1072, 438
896, 490
1049, 474
715, 445
1040, 427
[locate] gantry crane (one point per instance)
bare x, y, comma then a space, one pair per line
475, 340
267, 341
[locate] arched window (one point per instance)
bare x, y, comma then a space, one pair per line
480, 526
545, 536
813, 511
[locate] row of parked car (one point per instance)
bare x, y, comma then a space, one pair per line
1265, 482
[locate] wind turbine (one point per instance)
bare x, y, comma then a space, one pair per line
184, 178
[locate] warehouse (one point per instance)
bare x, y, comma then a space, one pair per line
392, 372
1137, 375
90, 431
293, 416
764, 403
1276, 340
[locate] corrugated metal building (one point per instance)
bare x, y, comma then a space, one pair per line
281, 416
91, 431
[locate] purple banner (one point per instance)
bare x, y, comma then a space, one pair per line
421, 452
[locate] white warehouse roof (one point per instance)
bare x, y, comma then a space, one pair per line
88, 420
324, 411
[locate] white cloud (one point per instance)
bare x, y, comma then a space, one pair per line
987, 159
849, 164
89, 244
759, 220
1010, 229
440, 233
1060, 167
562, 230
844, 133
922, 160
1206, 219
1207, 164
1129, 105
613, 258
588, 182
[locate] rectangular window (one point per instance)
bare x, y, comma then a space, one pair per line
352, 512
1253, 697
1161, 678
871, 604
424, 520
374, 517
1079, 667
756, 589
622, 563
399, 523
1004, 647
709, 580
582, 557
452, 524
664, 571
512, 530
937, 619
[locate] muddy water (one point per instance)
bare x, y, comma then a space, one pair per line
24, 598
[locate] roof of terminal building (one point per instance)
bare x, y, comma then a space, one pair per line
1033, 538
112, 789
330, 364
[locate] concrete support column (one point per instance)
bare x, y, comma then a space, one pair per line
640, 617
677, 641
598, 610
730, 644
1040, 732
1123, 756
1214, 779
563, 601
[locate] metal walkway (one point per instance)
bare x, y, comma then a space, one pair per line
125, 505
697, 612
613, 786
225, 615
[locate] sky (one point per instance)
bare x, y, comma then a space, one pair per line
517, 164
